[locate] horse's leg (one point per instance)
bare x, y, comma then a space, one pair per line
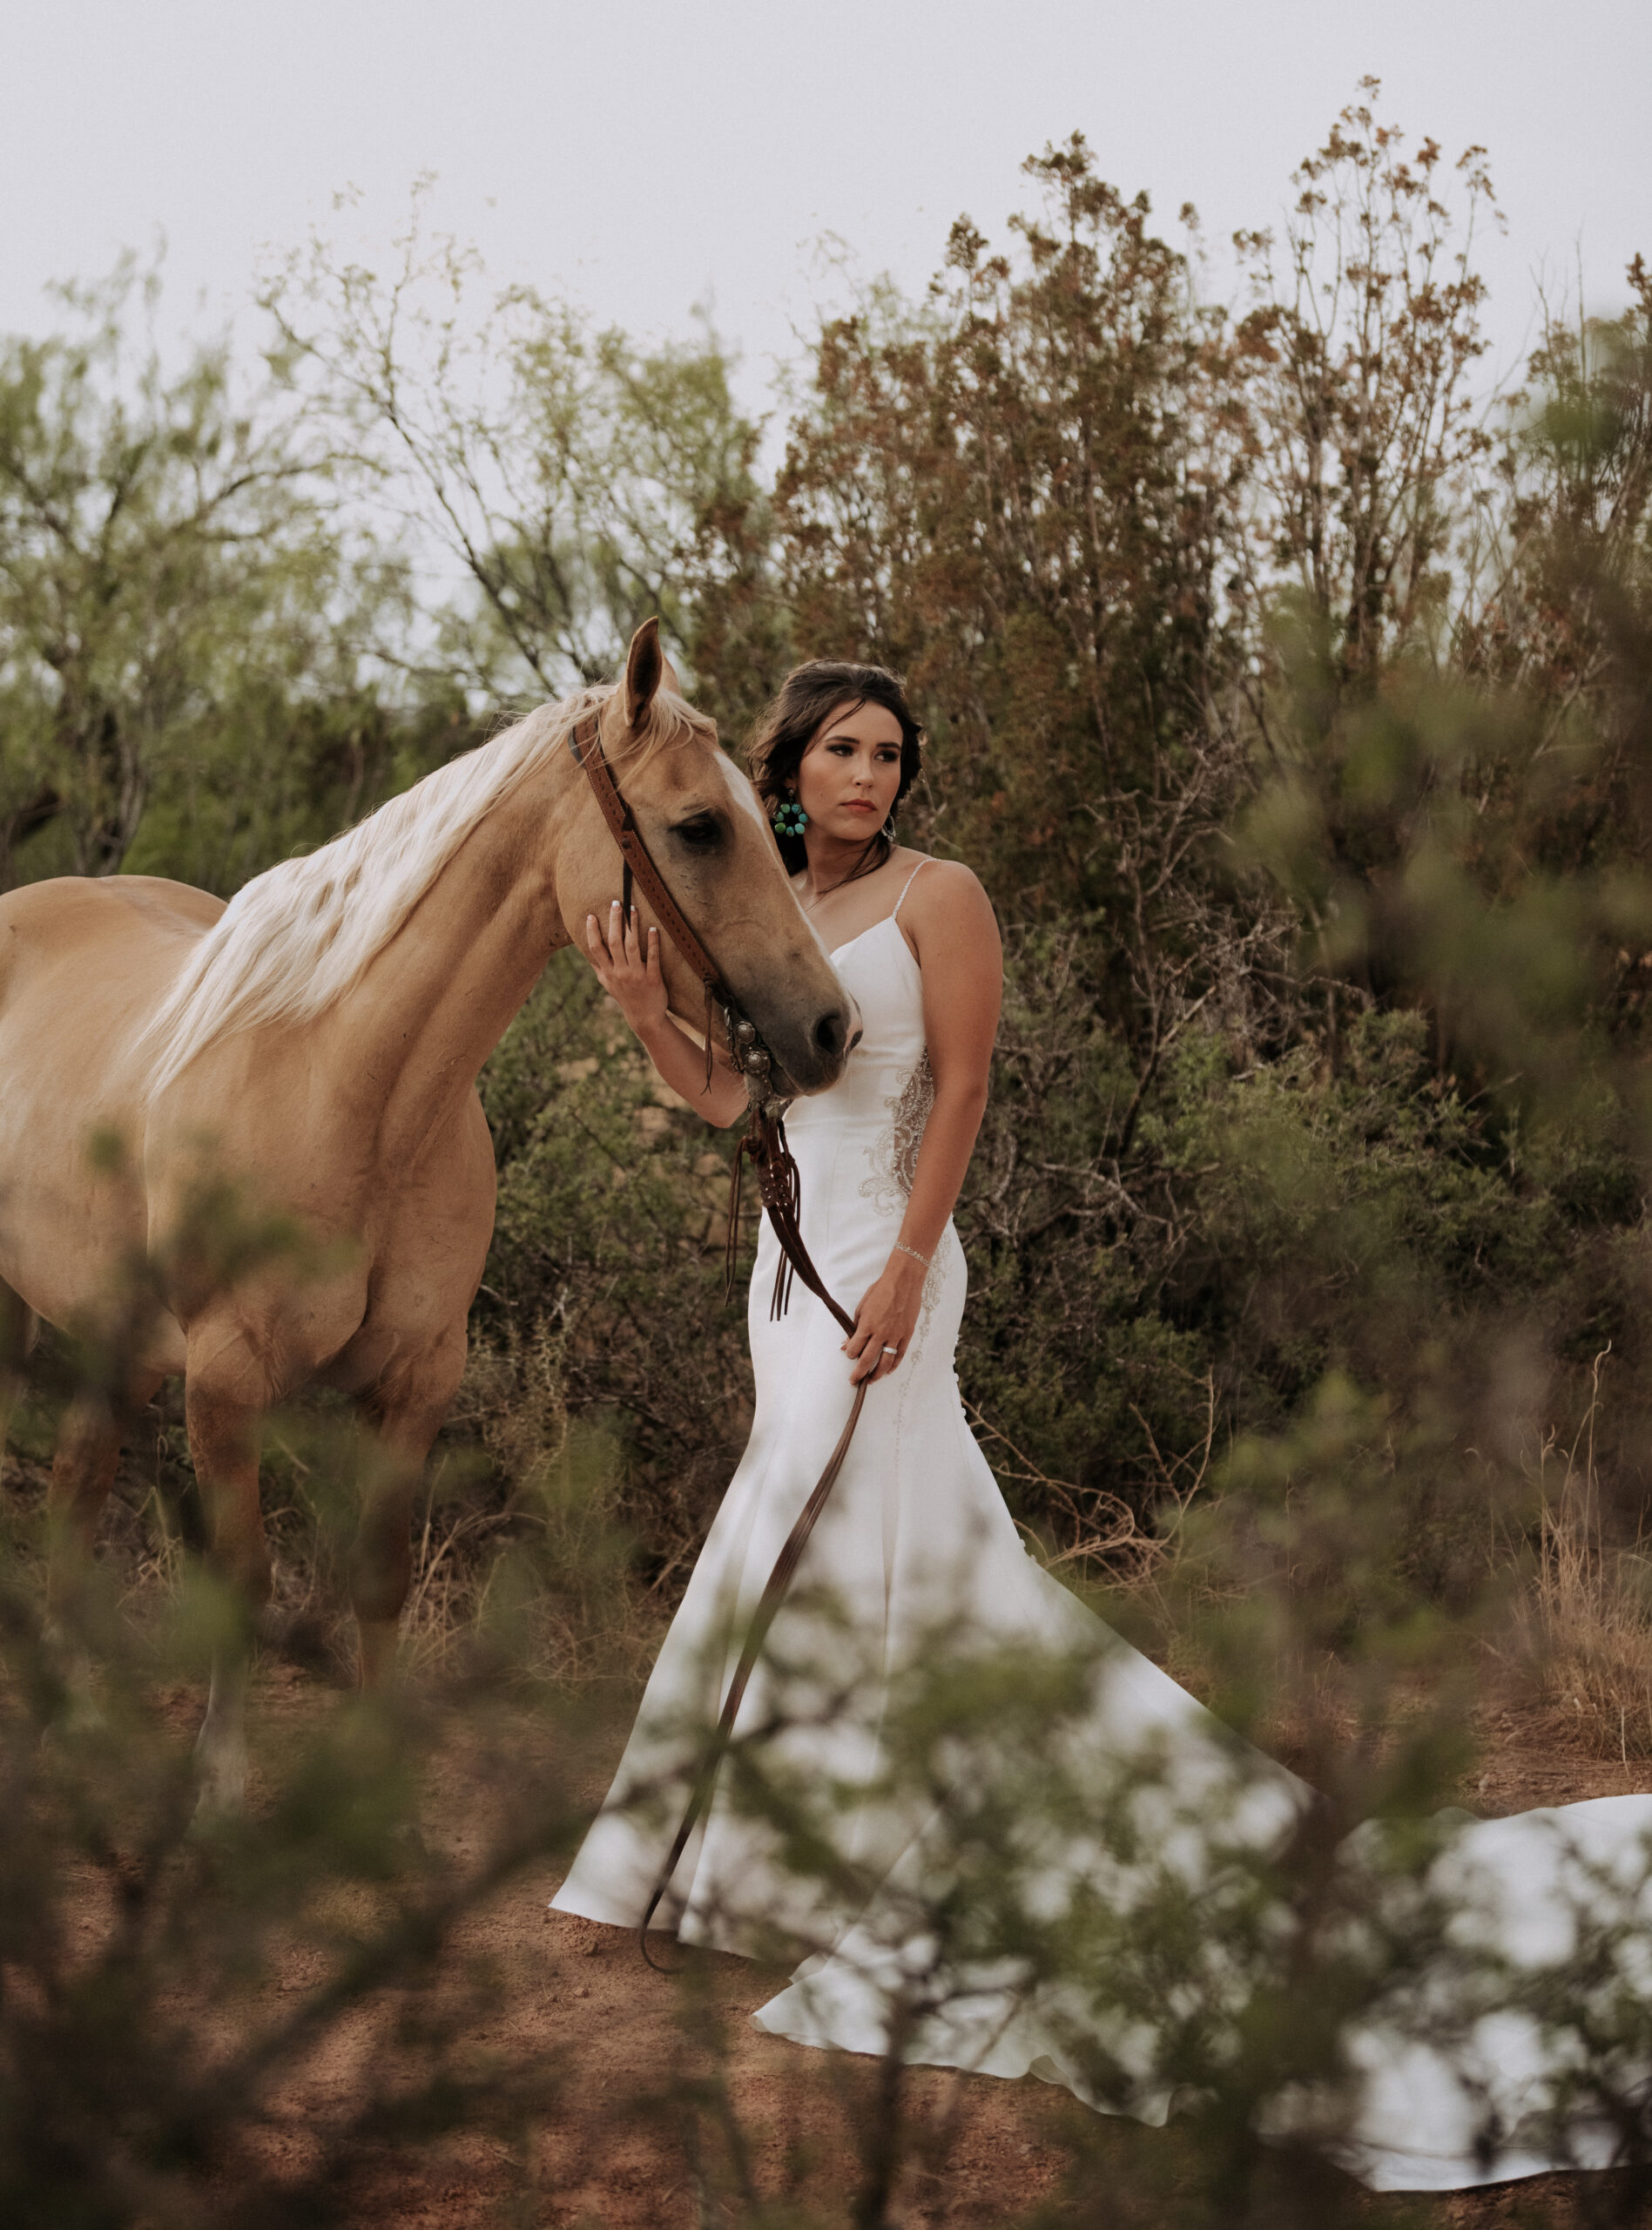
404, 1413
89, 1440
227, 1392
17, 1337
17, 1326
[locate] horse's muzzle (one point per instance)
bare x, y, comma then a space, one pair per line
816, 1062
837, 1032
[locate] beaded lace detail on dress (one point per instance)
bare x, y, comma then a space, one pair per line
893, 1152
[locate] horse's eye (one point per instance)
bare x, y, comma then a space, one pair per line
703, 834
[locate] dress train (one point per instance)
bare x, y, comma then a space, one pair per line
1464, 2063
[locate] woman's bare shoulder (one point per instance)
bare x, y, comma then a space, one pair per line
947, 908
946, 884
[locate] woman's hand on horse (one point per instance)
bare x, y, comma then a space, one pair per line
627, 965
885, 1320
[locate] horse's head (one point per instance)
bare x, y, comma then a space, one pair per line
708, 836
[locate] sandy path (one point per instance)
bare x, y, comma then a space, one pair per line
618, 2149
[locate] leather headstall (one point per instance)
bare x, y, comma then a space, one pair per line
586, 744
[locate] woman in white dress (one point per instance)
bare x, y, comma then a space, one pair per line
1451, 2082
882, 1158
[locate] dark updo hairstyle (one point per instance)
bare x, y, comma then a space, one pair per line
809, 695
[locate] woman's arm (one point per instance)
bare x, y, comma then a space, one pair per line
952, 927
628, 969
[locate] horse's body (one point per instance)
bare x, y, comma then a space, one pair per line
315, 1049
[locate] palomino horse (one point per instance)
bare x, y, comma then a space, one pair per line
323, 1033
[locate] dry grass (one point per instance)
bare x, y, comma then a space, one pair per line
1587, 1613
519, 1556
1581, 1609
1107, 1544
518, 1541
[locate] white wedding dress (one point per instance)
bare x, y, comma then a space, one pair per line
1457, 2077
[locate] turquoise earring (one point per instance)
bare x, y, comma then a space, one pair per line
790, 818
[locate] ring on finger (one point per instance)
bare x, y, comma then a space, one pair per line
892, 1351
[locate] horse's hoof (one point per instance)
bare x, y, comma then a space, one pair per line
217, 1815
78, 1718
409, 1844
223, 1790
76, 1712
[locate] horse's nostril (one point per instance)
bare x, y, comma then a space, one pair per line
829, 1031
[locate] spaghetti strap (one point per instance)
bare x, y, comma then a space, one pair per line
906, 886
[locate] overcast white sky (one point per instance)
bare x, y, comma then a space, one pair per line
645, 156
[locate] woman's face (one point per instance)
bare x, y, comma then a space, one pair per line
849, 775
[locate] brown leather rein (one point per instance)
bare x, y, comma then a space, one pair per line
779, 1189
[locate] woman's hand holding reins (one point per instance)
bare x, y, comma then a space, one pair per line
885, 1320
627, 965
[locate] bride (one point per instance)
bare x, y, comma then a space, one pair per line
1113, 1803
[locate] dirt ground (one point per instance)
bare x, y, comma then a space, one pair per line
618, 2153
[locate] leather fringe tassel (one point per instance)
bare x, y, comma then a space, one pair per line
732, 1238
781, 1186
788, 1185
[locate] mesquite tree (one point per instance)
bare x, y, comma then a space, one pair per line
1357, 356
165, 555
570, 482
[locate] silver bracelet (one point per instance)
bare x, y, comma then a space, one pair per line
901, 1247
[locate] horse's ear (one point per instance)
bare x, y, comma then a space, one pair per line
645, 668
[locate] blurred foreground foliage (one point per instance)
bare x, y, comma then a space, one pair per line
1295, 704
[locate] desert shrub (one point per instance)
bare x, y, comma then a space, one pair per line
612, 1200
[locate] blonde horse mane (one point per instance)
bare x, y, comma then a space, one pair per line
294, 940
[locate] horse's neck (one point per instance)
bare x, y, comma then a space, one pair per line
429, 1010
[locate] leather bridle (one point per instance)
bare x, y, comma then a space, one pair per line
780, 1186
585, 743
